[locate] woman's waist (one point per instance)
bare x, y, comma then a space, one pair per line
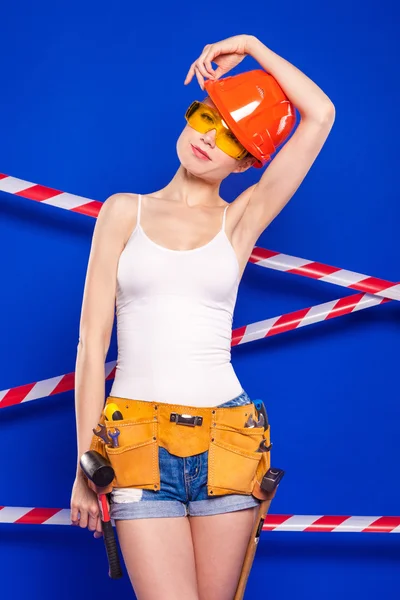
170, 368
187, 385
166, 355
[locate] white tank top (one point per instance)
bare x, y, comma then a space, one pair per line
174, 321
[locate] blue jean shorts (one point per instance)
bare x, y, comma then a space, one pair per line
183, 489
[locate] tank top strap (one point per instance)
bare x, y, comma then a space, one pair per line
139, 209
224, 218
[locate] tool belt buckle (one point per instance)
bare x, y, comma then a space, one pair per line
183, 419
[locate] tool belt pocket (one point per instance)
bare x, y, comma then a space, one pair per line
233, 459
135, 460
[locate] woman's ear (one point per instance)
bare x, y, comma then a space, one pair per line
244, 164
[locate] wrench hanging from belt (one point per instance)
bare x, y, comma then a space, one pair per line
105, 436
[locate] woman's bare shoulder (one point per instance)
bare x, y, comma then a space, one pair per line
120, 198
121, 207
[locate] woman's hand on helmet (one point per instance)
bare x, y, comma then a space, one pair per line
226, 54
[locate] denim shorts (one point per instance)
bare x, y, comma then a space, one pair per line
183, 489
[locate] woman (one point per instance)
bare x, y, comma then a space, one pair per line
173, 259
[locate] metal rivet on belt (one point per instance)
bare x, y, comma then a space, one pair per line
154, 438
213, 412
212, 439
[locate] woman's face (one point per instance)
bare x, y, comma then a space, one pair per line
219, 164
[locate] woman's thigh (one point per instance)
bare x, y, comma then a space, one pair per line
159, 558
220, 543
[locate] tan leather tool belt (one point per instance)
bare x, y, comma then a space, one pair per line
235, 463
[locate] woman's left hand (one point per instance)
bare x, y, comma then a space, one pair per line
226, 54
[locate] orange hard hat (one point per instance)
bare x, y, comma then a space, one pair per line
256, 110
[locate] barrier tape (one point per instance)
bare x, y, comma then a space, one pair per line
304, 317
307, 523
47, 195
46, 387
316, 270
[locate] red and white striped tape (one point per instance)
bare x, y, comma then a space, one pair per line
316, 270
306, 523
46, 387
304, 317
47, 195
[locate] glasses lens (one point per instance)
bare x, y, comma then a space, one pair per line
203, 118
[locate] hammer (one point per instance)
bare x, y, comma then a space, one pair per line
100, 474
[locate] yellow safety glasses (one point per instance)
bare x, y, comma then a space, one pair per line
203, 118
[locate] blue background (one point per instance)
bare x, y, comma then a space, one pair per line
85, 91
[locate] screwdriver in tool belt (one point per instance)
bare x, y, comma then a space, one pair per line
112, 410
